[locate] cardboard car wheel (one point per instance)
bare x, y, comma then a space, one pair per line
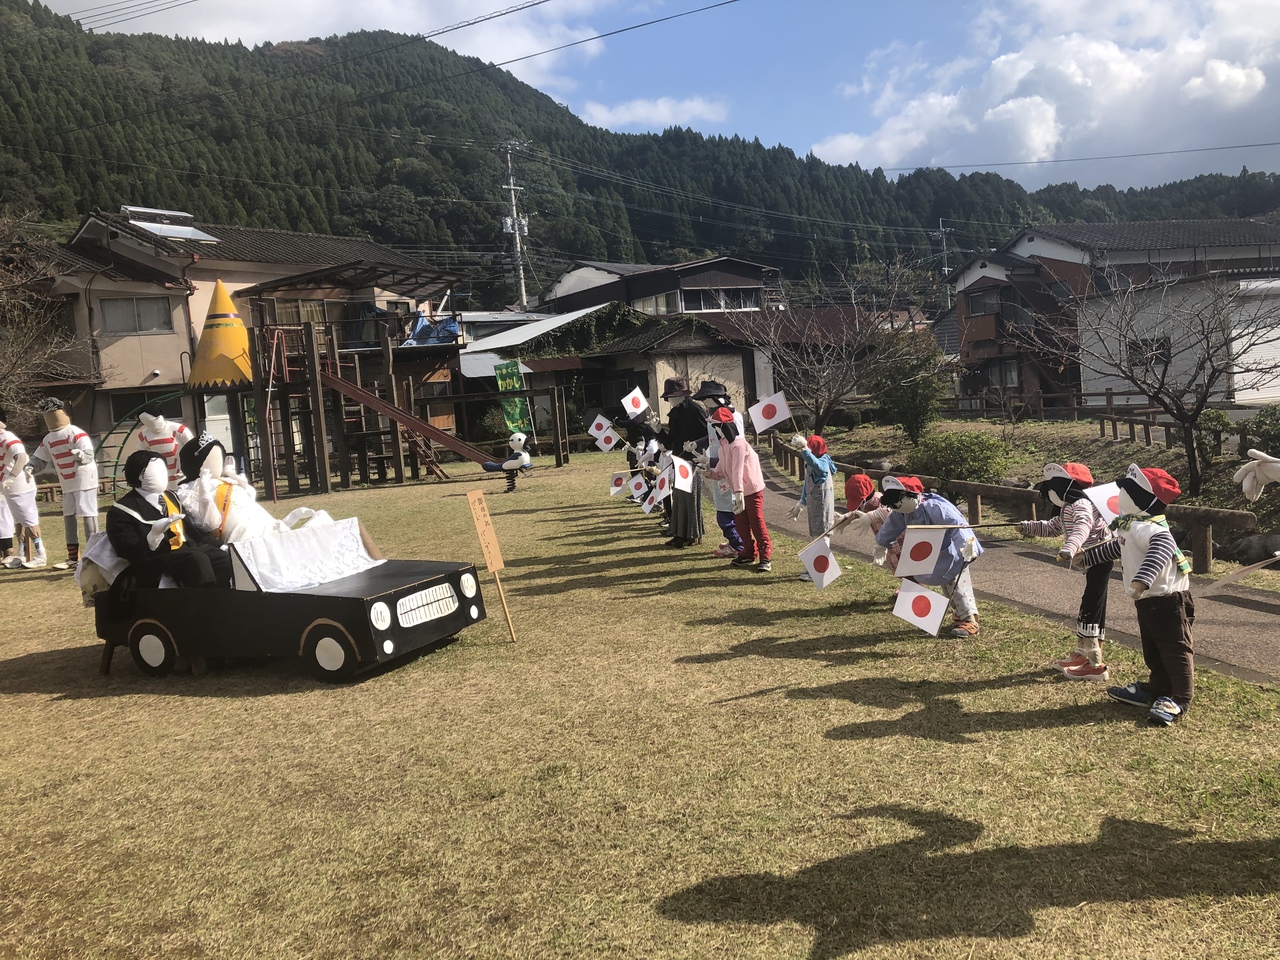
330, 653
152, 647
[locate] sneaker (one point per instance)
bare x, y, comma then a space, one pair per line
64, 565
764, 566
724, 551
806, 576
1087, 671
964, 628
1164, 712
741, 561
34, 564
1135, 694
12, 563
1074, 659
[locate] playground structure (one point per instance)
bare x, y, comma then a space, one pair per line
369, 412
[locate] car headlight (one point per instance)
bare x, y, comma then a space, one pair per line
380, 615
468, 584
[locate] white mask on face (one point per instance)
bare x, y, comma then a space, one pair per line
213, 463
1056, 500
909, 503
1127, 507
155, 477
152, 423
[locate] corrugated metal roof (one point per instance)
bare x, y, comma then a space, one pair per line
528, 331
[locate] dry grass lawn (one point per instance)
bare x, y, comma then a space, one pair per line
676, 760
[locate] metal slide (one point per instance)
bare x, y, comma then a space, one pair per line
404, 418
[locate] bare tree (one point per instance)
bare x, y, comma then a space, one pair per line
827, 354
1184, 342
34, 344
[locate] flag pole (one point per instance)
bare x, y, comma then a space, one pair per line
961, 526
832, 529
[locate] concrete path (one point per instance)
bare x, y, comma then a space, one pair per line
1236, 631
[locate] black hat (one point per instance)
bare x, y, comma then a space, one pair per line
675, 387
711, 389
136, 463
194, 453
151, 410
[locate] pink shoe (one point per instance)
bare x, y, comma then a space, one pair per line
1087, 671
1072, 660
724, 551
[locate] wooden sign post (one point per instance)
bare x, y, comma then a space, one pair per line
489, 547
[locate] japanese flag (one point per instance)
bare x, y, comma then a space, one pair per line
618, 483
608, 439
634, 403
637, 486
663, 486
769, 411
822, 566
598, 426
1106, 497
921, 548
650, 502
683, 473
920, 606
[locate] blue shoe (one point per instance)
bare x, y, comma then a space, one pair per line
1164, 712
1135, 694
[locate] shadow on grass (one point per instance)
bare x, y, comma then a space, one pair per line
947, 721
762, 617
836, 649
922, 888
71, 673
891, 693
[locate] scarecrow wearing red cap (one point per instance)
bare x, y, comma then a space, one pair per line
959, 548
863, 501
739, 466
1155, 573
1081, 528
817, 493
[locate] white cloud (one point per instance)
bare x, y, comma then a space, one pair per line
1076, 79
655, 114
1230, 83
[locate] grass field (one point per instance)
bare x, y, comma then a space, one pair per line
676, 760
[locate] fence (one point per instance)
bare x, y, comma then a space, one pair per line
1070, 406
1200, 520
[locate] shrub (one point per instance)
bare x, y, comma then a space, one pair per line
971, 456
1264, 429
1209, 422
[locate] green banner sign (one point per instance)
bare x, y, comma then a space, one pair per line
516, 410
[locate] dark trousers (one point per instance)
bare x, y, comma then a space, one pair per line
728, 525
1093, 605
755, 535
197, 565
1165, 625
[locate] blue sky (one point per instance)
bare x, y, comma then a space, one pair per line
1025, 89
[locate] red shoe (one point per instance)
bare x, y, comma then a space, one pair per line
1073, 659
1087, 671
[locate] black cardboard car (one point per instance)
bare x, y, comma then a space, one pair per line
338, 627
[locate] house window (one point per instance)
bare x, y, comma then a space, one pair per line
125, 315
661, 305
1150, 355
124, 403
1004, 374
743, 298
736, 298
984, 302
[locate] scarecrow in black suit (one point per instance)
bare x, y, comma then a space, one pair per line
145, 528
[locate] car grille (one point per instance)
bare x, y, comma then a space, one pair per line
430, 604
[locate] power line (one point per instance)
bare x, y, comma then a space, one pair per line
147, 8
1111, 156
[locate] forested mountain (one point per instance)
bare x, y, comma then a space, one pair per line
404, 140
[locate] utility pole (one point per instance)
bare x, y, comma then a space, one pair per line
942, 235
516, 226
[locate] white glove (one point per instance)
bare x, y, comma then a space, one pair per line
702, 460
879, 554
1078, 562
30, 471
159, 528
798, 442
969, 550
858, 521
80, 457
796, 511
1261, 469
6, 486
690, 446
1066, 556
1024, 528
739, 502
1137, 589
